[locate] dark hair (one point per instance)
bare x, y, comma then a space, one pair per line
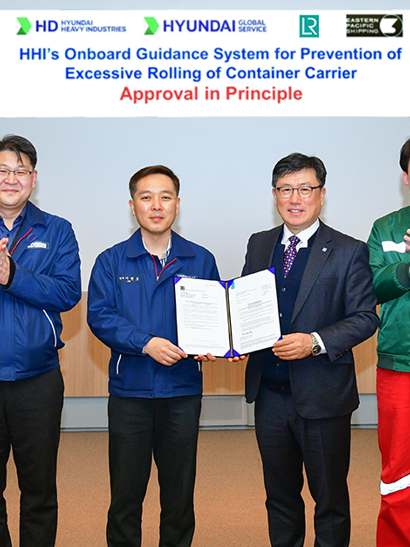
405, 156
153, 170
296, 162
19, 145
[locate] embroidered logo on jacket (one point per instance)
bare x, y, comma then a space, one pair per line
392, 246
38, 245
128, 279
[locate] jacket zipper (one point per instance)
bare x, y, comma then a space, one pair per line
156, 269
22, 237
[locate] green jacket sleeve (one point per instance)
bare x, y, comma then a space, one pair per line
391, 277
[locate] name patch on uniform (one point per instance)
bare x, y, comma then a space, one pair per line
38, 245
128, 279
392, 246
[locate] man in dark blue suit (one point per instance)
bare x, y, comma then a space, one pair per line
304, 388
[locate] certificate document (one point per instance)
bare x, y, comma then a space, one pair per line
227, 318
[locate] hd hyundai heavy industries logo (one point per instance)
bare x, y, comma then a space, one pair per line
25, 25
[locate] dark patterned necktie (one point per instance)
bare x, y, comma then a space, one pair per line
289, 255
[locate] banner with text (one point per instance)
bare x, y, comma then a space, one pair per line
203, 63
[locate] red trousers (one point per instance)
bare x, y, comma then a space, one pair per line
393, 400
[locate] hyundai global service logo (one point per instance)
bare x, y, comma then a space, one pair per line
206, 25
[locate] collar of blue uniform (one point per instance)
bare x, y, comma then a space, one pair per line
180, 246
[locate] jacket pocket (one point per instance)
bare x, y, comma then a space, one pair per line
52, 327
117, 366
36, 338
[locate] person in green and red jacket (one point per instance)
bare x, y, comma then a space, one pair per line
389, 244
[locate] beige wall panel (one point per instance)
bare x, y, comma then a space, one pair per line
84, 363
84, 360
365, 356
224, 378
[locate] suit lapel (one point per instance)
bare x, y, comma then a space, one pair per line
320, 252
266, 256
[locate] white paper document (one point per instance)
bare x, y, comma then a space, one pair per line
227, 318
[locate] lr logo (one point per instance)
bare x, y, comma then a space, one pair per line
309, 26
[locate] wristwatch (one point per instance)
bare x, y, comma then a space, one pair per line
316, 348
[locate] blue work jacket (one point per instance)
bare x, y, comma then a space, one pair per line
46, 282
130, 300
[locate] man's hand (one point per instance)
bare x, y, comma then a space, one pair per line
407, 240
205, 358
4, 262
163, 351
237, 358
297, 345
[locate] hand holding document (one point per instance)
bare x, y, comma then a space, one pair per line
227, 318
164, 352
205, 358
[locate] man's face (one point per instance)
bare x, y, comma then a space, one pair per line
299, 213
15, 190
155, 204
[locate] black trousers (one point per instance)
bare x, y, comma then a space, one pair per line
30, 417
139, 429
286, 443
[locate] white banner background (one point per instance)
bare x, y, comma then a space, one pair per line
251, 63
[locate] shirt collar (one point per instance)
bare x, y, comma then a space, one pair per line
17, 221
164, 257
304, 235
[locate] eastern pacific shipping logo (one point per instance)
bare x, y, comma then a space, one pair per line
374, 26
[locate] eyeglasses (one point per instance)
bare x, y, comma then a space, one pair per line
304, 191
18, 173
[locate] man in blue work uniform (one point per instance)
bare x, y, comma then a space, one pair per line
39, 278
155, 389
